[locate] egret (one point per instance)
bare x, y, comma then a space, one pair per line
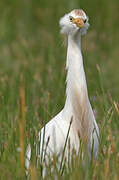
77, 105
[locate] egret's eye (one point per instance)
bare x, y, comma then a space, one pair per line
85, 20
71, 18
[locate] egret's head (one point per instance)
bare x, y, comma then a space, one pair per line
73, 22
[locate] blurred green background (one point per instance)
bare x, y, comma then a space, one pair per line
31, 46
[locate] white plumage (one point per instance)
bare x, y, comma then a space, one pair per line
77, 105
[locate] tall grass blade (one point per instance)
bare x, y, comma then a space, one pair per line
63, 153
22, 128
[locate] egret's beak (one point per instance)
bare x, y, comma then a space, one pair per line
79, 22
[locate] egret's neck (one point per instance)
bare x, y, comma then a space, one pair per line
76, 82
77, 102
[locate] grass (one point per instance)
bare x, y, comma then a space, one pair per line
31, 47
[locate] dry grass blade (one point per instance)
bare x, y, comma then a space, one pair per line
22, 128
33, 172
116, 107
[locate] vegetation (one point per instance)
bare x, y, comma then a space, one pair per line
32, 71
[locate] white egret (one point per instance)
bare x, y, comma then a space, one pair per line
77, 105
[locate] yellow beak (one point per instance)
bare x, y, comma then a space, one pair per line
79, 22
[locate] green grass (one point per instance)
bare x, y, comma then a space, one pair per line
32, 47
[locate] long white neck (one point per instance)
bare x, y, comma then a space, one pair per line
75, 71
77, 102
